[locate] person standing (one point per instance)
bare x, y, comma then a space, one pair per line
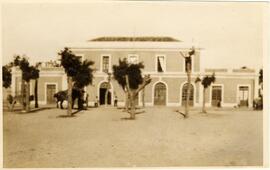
115, 101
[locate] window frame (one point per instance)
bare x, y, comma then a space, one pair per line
109, 63
156, 63
131, 55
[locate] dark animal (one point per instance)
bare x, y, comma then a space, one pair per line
61, 96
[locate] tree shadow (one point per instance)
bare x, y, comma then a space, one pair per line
65, 116
76, 112
136, 112
127, 118
140, 112
121, 107
73, 114
211, 115
181, 113
34, 110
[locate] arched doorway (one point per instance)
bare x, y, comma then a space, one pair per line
160, 94
184, 94
102, 93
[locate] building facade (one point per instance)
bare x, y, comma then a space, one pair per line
163, 61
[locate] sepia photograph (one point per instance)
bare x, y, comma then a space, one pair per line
122, 84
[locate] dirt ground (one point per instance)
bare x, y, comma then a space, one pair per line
159, 137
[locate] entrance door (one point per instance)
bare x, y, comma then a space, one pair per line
184, 95
102, 94
216, 95
243, 95
160, 94
51, 90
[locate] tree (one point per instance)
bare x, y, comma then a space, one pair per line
28, 73
206, 82
188, 63
129, 76
6, 76
79, 74
36, 77
261, 83
261, 76
83, 78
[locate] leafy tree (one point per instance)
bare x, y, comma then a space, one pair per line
129, 77
84, 75
206, 82
71, 63
79, 74
28, 73
83, 78
6, 76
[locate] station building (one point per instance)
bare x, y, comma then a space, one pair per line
162, 60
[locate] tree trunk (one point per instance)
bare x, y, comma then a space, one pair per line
27, 96
126, 101
131, 95
203, 107
69, 110
23, 94
80, 100
36, 93
188, 92
132, 103
143, 101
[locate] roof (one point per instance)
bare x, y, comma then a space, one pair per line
134, 43
140, 39
216, 70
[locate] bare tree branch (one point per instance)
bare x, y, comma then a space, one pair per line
146, 81
182, 54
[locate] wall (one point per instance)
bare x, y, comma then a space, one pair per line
230, 89
41, 86
174, 61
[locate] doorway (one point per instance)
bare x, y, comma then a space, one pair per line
216, 95
184, 95
160, 94
50, 91
243, 96
102, 94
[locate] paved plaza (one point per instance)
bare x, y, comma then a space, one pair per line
159, 137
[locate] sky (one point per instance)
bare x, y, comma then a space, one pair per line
231, 33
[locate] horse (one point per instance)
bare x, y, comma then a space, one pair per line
61, 96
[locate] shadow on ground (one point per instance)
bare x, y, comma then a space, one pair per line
73, 114
34, 110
